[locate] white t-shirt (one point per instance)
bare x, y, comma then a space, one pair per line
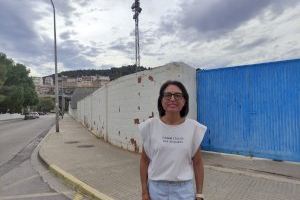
171, 148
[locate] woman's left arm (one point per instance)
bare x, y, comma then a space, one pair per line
199, 171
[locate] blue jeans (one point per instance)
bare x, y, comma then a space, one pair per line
171, 190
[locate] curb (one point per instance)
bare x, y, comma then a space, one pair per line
69, 179
78, 185
254, 174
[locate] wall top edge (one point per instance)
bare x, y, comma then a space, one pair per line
152, 71
260, 64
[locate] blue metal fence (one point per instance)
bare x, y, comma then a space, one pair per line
252, 110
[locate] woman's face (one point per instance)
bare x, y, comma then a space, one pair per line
173, 100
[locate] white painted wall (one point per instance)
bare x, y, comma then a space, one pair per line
73, 112
8, 116
113, 112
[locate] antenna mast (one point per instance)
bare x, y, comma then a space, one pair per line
137, 10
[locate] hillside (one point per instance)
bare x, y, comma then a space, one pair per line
113, 73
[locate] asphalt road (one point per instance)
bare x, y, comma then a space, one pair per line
20, 169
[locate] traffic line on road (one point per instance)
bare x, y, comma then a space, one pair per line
20, 181
29, 196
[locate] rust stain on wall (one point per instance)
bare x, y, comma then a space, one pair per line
136, 121
150, 78
133, 142
152, 115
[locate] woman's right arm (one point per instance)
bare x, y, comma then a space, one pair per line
144, 163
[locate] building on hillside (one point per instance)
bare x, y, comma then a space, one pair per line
67, 85
37, 81
45, 90
49, 80
41, 88
92, 81
80, 93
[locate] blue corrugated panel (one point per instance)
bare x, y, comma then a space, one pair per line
252, 110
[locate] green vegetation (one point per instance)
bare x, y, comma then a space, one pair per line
17, 90
45, 104
113, 73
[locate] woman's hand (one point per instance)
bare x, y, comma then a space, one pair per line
144, 163
145, 196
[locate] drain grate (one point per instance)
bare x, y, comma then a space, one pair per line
85, 146
71, 142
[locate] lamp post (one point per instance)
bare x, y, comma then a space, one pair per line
56, 76
63, 96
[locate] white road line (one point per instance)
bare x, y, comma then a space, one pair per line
20, 181
31, 195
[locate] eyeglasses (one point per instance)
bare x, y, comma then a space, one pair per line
177, 96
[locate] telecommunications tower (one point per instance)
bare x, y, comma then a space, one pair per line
137, 10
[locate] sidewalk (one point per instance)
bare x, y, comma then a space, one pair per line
103, 171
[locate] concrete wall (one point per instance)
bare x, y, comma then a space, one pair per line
8, 116
73, 112
113, 112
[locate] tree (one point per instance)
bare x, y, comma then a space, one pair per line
4, 62
45, 104
14, 99
17, 89
113, 73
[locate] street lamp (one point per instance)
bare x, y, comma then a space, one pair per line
56, 76
62, 96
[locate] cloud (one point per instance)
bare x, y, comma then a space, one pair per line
241, 46
65, 9
66, 35
123, 45
74, 54
198, 32
84, 3
17, 29
216, 18
24, 42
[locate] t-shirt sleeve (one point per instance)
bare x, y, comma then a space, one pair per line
144, 130
199, 133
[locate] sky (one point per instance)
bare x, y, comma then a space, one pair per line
99, 34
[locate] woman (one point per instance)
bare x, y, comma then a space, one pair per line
171, 157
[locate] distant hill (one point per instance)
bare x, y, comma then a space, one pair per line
113, 73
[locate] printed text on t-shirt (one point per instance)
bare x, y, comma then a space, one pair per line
172, 139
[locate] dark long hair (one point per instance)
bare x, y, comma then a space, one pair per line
184, 111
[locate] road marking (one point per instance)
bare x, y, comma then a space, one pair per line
78, 196
29, 196
20, 181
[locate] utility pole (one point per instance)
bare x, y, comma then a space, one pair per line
56, 76
137, 10
63, 97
